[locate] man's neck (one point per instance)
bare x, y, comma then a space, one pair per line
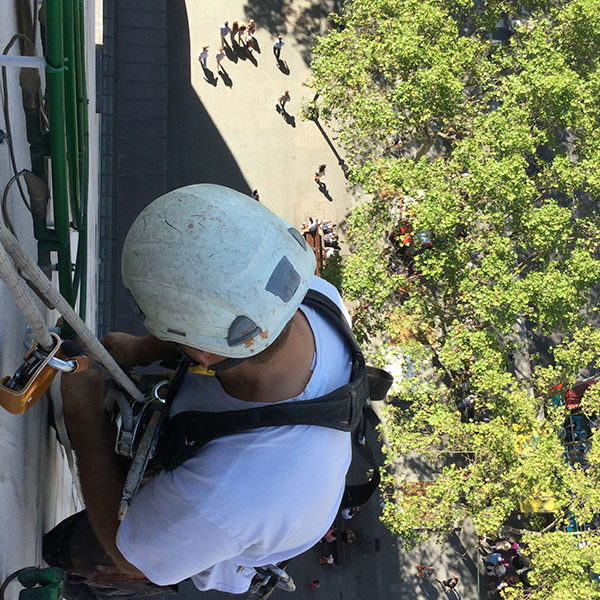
284, 376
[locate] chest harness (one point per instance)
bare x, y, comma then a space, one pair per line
347, 409
170, 442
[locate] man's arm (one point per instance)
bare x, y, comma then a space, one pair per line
101, 476
132, 350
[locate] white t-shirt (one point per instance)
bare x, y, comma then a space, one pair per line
249, 499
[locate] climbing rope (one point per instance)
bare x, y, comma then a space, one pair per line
45, 288
22, 295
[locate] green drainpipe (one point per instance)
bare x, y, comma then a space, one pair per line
60, 193
71, 120
83, 131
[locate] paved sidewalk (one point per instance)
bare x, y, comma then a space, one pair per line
228, 129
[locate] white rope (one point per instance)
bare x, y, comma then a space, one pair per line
61, 431
46, 289
22, 295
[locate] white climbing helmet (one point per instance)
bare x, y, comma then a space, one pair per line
213, 269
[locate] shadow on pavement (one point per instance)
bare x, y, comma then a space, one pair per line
209, 77
230, 53
429, 590
467, 561
225, 77
339, 159
417, 464
269, 14
279, 18
240, 52
196, 152
283, 66
289, 119
311, 22
323, 189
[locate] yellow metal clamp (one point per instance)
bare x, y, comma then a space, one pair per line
34, 376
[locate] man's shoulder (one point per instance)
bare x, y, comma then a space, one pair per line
327, 289
321, 285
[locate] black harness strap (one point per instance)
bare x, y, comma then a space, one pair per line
343, 409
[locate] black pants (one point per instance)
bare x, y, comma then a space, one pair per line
91, 573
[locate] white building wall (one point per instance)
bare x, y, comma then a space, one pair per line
36, 490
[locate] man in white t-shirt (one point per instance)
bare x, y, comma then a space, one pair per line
224, 31
220, 278
277, 46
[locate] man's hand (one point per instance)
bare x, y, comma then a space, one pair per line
131, 350
124, 348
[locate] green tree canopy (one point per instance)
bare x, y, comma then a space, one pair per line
492, 150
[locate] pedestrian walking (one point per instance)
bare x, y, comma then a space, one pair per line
283, 99
424, 572
277, 47
251, 27
241, 34
314, 584
234, 29
204, 56
348, 536
249, 43
224, 30
220, 55
255, 195
319, 173
450, 583
330, 535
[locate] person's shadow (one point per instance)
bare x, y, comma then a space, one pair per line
283, 67
289, 119
240, 51
251, 58
429, 590
255, 44
230, 53
452, 594
323, 189
209, 77
225, 77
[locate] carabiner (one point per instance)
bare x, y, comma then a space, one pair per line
32, 379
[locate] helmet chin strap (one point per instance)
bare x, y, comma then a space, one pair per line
222, 365
227, 363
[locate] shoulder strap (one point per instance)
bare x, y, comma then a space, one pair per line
343, 409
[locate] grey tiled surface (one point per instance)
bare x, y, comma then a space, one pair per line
134, 137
